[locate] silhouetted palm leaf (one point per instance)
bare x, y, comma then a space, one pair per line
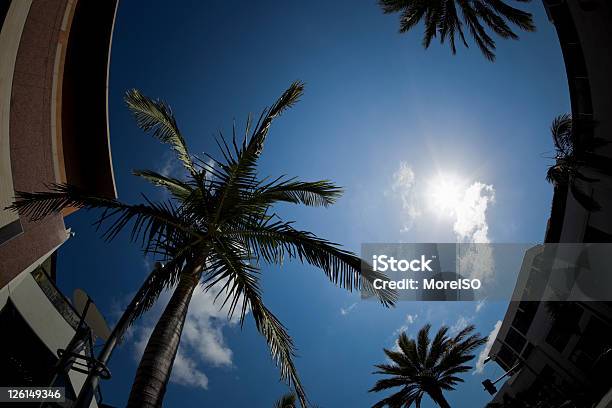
286, 401
450, 18
573, 155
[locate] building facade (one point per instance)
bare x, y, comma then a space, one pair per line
54, 70
555, 352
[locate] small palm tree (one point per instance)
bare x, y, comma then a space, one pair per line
574, 154
214, 231
288, 400
449, 19
423, 367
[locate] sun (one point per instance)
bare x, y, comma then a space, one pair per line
444, 194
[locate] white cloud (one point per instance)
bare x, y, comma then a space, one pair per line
479, 305
185, 372
471, 226
467, 204
346, 310
471, 219
410, 319
487, 348
461, 323
202, 341
203, 333
403, 187
476, 261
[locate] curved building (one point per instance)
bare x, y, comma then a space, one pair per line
54, 71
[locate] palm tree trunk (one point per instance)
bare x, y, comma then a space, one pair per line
88, 389
156, 364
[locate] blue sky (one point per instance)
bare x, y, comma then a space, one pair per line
380, 116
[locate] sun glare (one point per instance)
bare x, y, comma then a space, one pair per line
444, 194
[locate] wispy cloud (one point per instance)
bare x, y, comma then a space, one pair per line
487, 348
346, 310
410, 319
170, 165
402, 187
461, 323
479, 305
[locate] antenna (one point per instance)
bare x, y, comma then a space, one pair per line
94, 319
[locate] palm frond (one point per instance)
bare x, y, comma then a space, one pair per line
272, 241
313, 193
238, 173
258, 201
176, 187
149, 221
228, 264
520, 18
156, 116
286, 401
438, 346
403, 398
442, 17
161, 278
387, 383
485, 43
561, 131
423, 344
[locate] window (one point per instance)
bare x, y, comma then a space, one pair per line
506, 357
565, 323
592, 234
515, 340
558, 338
24, 358
524, 316
591, 345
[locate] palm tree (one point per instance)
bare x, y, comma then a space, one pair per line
215, 230
443, 18
574, 154
288, 400
423, 367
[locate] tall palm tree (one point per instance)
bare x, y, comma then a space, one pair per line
288, 400
450, 18
215, 230
426, 367
574, 154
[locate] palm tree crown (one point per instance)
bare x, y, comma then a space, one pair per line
215, 230
426, 367
574, 153
286, 401
450, 18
